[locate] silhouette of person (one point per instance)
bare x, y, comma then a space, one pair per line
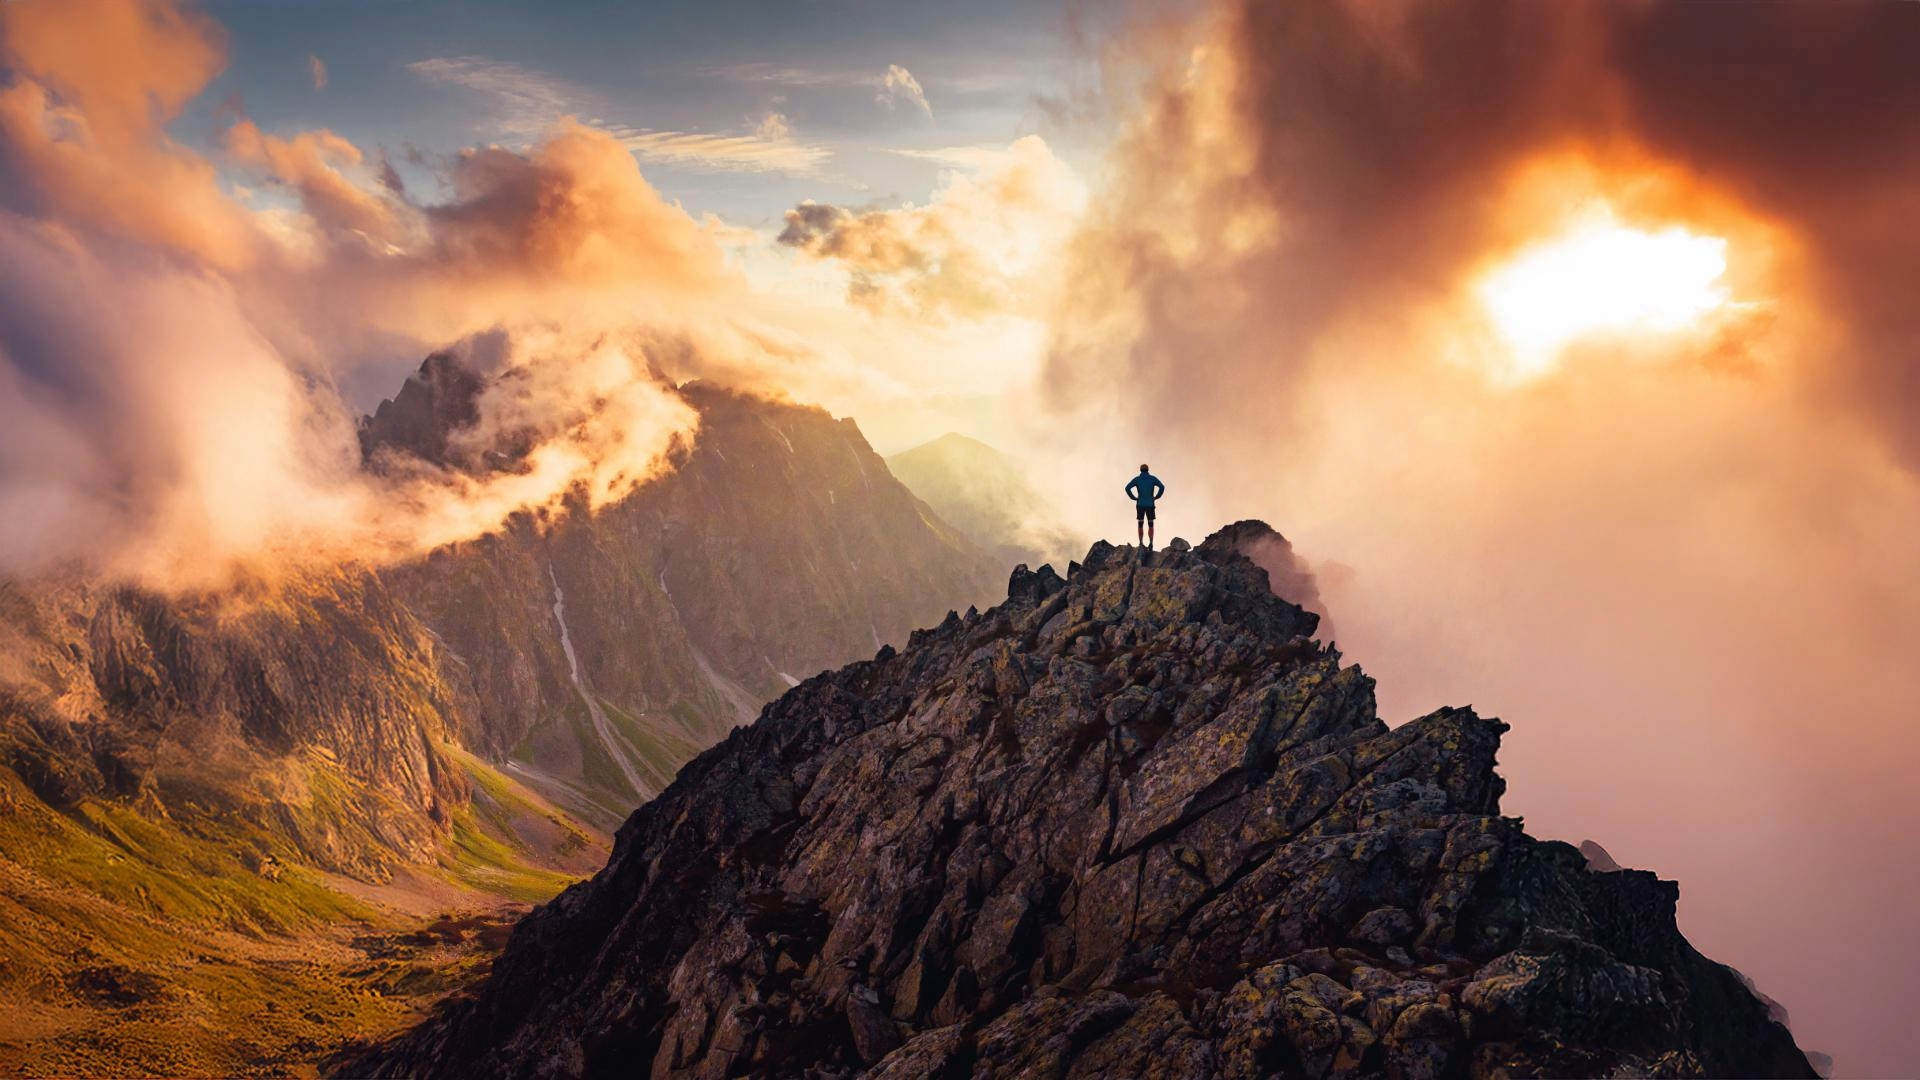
1144, 488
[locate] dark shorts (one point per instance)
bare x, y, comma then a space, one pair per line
1142, 513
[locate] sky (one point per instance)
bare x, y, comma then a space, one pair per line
1573, 344
440, 76
734, 111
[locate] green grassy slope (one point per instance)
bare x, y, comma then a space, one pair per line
143, 943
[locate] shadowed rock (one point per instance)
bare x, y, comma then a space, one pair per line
1137, 823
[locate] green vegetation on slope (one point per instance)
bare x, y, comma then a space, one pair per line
509, 842
200, 944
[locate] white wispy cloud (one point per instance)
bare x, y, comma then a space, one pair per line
709, 152
899, 83
526, 101
317, 70
785, 75
772, 125
892, 86
969, 158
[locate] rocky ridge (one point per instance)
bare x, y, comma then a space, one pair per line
1133, 822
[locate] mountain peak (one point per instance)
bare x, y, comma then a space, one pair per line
954, 442
435, 401
1133, 820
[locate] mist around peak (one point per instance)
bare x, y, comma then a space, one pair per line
988, 496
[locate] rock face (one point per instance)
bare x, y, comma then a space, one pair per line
318, 716
1289, 574
1134, 823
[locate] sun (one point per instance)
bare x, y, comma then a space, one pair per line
1602, 277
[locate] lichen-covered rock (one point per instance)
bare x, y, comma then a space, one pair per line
1136, 823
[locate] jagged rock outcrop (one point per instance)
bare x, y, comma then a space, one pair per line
1134, 823
1289, 574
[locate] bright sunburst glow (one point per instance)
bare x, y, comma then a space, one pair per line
1602, 276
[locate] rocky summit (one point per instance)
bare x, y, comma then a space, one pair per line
1135, 822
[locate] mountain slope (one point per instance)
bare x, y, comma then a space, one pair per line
986, 496
600, 653
250, 777
208, 811
316, 715
1135, 823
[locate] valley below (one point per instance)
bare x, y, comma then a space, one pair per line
145, 945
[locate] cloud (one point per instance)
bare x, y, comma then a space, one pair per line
772, 126
968, 158
315, 165
83, 120
770, 149
789, 75
195, 437
317, 71
980, 247
899, 83
526, 102
530, 103
200, 436
891, 87
784, 75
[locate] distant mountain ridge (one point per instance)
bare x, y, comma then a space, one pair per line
988, 497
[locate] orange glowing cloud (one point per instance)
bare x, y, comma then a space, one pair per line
984, 244
198, 436
312, 163
194, 437
96, 81
1602, 276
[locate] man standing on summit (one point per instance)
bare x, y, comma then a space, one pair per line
1144, 488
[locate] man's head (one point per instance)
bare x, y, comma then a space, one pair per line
1143, 468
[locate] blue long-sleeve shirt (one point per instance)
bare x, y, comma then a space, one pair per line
1145, 488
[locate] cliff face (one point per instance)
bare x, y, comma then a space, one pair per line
318, 715
1136, 823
